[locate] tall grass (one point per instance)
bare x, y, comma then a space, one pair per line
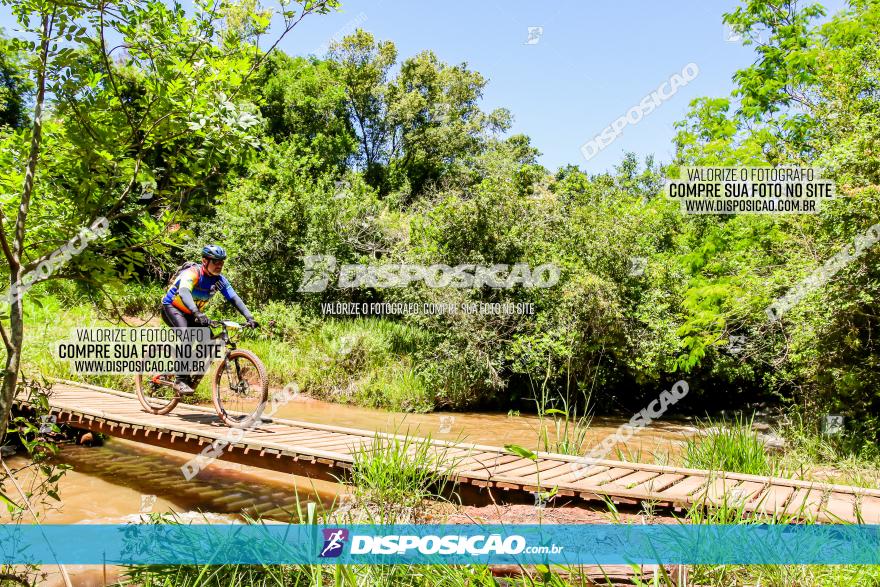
840, 459
365, 361
394, 477
563, 421
729, 446
342, 576
48, 321
733, 511
396, 471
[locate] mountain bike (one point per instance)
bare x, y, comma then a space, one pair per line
240, 387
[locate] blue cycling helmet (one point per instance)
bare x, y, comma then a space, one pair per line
214, 252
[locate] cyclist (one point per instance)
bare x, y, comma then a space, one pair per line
191, 291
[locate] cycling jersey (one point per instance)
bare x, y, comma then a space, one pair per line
202, 286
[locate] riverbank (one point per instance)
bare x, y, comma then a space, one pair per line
356, 497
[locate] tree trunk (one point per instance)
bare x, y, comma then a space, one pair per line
13, 364
16, 309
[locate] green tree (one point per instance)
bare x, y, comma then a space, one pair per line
412, 127
810, 98
304, 104
15, 87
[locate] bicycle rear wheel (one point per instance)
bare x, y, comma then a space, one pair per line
240, 389
155, 393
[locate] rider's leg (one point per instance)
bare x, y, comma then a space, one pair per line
174, 318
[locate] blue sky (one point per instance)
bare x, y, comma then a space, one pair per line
594, 61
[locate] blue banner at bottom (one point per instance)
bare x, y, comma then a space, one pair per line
203, 544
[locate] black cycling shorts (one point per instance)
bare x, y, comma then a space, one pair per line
174, 318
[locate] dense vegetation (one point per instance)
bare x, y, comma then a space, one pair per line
378, 159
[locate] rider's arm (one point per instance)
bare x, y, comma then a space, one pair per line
185, 292
186, 297
232, 297
242, 309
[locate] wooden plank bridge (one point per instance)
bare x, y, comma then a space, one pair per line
327, 452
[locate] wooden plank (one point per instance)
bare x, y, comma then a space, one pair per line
751, 489
451, 454
341, 440
484, 461
606, 477
467, 447
125, 406
634, 479
541, 478
349, 446
868, 510
558, 472
576, 475
94, 406
720, 491
659, 483
272, 429
685, 487
350, 450
322, 442
201, 421
515, 464
276, 438
840, 507
768, 499
102, 403
530, 469
305, 435
805, 502
120, 413
289, 435
81, 403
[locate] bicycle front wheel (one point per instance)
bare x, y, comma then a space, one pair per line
240, 389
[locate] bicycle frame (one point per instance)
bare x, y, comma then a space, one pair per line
230, 346
224, 335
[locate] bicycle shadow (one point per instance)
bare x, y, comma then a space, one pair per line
215, 421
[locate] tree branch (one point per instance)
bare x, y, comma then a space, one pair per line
5, 337
10, 258
289, 26
108, 67
109, 215
36, 138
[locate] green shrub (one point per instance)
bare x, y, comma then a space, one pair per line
282, 321
363, 361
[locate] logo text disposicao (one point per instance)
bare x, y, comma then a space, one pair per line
476, 545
